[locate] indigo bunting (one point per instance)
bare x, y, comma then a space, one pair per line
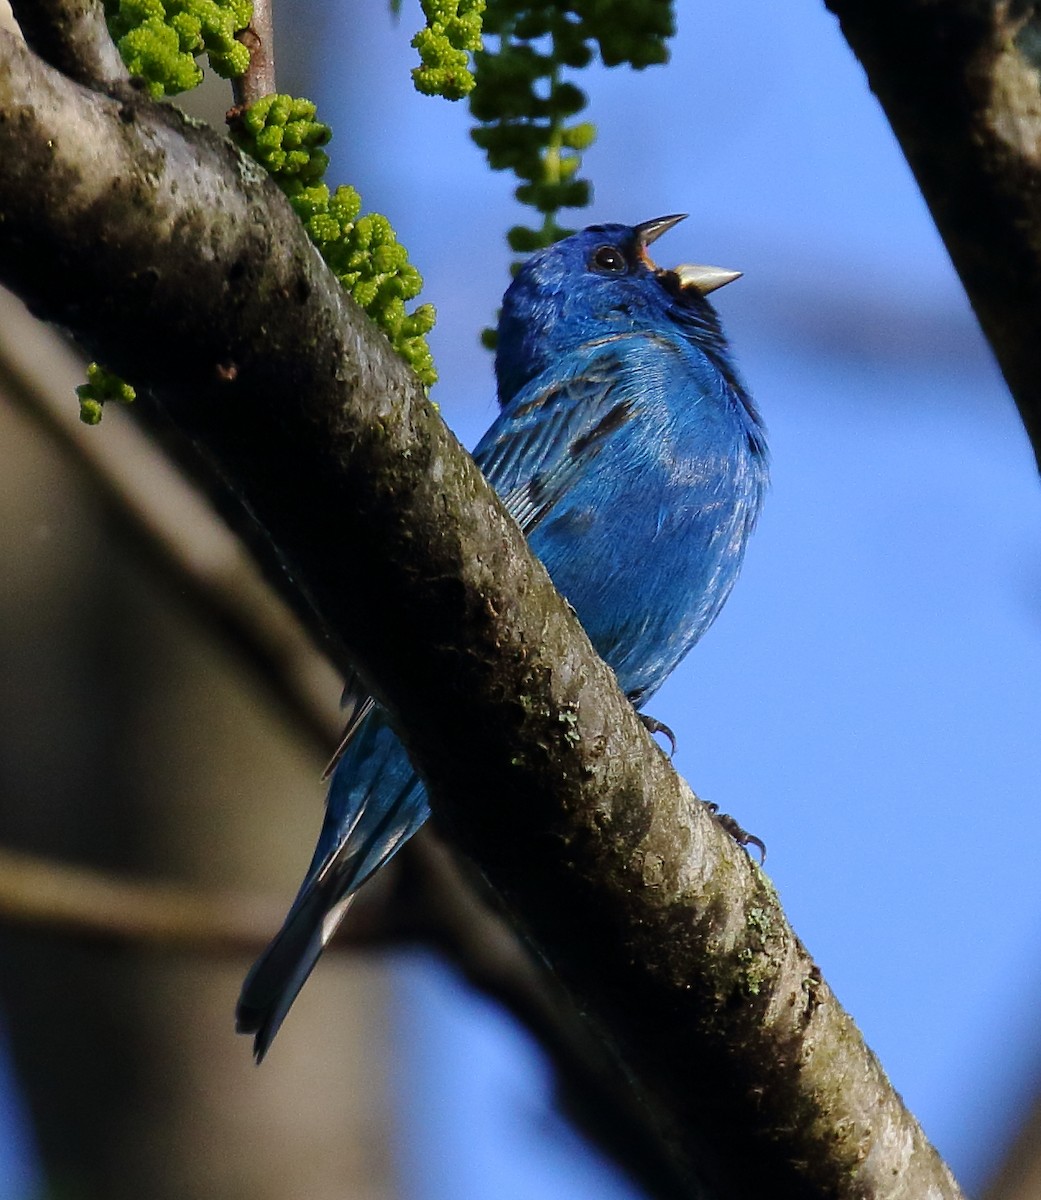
633, 459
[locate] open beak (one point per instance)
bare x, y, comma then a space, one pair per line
650, 231
704, 279
701, 279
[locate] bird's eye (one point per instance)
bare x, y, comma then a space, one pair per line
610, 260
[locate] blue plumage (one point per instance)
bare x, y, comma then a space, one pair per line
630, 454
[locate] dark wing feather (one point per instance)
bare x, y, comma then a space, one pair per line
545, 439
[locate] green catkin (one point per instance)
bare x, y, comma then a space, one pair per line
160, 40
452, 33
363, 251
524, 106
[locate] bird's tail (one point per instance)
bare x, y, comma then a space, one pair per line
375, 805
276, 978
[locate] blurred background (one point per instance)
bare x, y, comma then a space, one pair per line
868, 702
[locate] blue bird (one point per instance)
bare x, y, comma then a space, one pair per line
633, 459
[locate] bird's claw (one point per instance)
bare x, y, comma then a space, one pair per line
653, 725
740, 835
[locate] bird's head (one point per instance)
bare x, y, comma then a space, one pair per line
595, 283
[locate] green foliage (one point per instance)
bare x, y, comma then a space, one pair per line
525, 106
101, 386
363, 251
161, 39
451, 34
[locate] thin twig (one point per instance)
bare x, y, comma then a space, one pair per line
259, 38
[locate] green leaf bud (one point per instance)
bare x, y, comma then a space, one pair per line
101, 387
452, 33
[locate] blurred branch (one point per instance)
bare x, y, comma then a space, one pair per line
48, 895
744, 1070
960, 85
45, 894
51, 895
200, 559
421, 899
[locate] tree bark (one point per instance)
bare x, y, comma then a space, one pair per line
180, 265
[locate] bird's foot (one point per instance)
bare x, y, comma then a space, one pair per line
740, 835
653, 725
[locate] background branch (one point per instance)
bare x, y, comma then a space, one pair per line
959, 84
661, 930
198, 557
92, 904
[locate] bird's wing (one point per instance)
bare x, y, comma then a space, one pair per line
539, 445
554, 427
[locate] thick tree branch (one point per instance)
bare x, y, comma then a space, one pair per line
160, 246
960, 84
422, 898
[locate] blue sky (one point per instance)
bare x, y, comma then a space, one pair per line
868, 702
